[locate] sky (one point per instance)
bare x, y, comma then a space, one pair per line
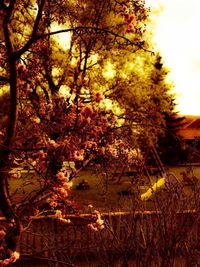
177, 36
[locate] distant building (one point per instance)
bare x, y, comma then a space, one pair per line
190, 130
190, 134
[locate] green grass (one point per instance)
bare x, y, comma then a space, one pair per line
103, 195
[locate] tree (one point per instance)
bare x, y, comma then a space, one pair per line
170, 144
52, 113
143, 92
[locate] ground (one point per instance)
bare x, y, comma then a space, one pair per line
104, 196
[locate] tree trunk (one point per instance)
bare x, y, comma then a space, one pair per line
13, 229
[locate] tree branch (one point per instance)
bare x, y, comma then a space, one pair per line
5, 202
4, 79
34, 38
3, 6
97, 30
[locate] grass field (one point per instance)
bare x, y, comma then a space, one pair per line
103, 195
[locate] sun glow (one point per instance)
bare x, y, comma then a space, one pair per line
109, 71
63, 39
178, 40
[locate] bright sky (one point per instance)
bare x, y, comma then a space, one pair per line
177, 35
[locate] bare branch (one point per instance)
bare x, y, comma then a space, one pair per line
33, 38
4, 79
3, 6
97, 30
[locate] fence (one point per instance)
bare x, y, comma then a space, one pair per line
48, 238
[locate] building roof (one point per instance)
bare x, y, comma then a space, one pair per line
190, 128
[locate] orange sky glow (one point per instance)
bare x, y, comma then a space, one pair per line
178, 39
